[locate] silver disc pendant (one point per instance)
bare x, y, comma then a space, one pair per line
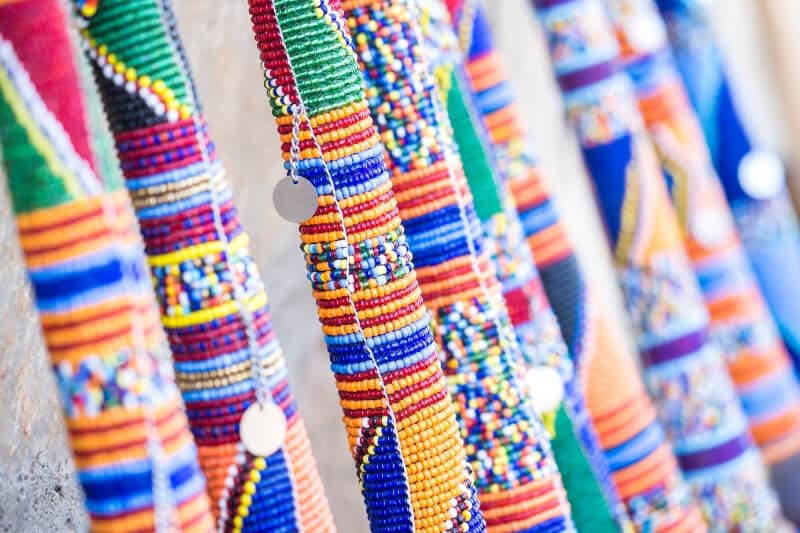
295, 202
263, 429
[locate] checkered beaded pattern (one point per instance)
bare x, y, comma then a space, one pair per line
584, 469
768, 223
684, 372
131, 444
517, 480
740, 321
400, 421
643, 467
207, 284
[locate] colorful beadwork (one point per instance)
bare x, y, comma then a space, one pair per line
213, 304
684, 372
767, 222
583, 468
643, 466
401, 424
132, 447
518, 483
740, 322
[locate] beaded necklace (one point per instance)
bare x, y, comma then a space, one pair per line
581, 463
400, 422
228, 362
752, 178
643, 467
519, 486
684, 372
132, 447
740, 322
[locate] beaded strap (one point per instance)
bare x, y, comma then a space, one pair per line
740, 322
643, 466
685, 373
132, 447
762, 209
213, 304
518, 483
583, 467
400, 422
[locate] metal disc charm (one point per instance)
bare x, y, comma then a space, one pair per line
295, 202
263, 429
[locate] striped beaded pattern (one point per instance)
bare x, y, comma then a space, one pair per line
400, 422
740, 322
517, 480
685, 373
643, 466
206, 282
576, 449
767, 221
133, 451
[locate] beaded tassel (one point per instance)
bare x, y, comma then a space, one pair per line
213, 304
547, 365
740, 322
400, 422
517, 479
644, 470
752, 178
684, 372
132, 447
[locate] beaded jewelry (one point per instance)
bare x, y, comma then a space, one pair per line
400, 422
644, 470
518, 483
740, 323
132, 447
753, 179
547, 365
230, 368
684, 372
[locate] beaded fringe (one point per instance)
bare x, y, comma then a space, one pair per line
212, 300
685, 373
132, 447
400, 422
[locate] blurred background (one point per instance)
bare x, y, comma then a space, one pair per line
37, 489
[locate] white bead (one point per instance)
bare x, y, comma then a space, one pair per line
545, 388
761, 174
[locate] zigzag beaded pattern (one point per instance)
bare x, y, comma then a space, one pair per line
400, 423
181, 200
684, 372
643, 467
97, 312
519, 486
740, 322
768, 224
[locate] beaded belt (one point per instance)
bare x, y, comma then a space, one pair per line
643, 467
696, 401
400, 422
740, 322
516, 476
132, 447
226, 356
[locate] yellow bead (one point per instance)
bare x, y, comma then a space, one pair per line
112, 58
144, 81
260, 463
159, 86
102, 50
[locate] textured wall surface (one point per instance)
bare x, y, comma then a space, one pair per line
37, 491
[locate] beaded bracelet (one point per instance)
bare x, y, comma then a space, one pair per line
400, 422
517, 479
643, 467
740, 322
547, 365
685, 373
132, 447
227, 359
752, 178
